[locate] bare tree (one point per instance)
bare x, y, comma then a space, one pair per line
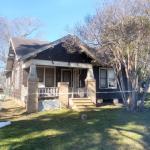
121, 31
22, 27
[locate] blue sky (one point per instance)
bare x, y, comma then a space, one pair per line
56, 15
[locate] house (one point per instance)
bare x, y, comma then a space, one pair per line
50, 74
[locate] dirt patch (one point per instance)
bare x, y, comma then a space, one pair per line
10, 110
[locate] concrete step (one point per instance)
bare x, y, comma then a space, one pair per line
84, 104
86, 109
82, 101
78, 98
81, 98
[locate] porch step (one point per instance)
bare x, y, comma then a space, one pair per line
81, 98
83, 104
82, 101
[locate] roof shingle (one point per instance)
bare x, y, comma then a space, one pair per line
24, 46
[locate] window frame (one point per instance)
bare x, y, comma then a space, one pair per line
115, 87
45, 76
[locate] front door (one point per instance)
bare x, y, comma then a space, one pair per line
67, 76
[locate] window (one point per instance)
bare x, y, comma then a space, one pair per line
107, 78
49, 77
46, 76
103, 78
40, 74
111, 79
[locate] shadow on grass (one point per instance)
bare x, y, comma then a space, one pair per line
105, 129
11, 113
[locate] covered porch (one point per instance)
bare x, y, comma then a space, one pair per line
51, 74
49, 77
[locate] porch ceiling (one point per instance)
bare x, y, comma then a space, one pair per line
56, 63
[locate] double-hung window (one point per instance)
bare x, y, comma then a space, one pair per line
107, 78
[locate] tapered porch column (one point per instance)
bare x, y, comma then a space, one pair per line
91, 85
64, 94
32, 100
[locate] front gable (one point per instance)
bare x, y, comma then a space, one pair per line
60, 53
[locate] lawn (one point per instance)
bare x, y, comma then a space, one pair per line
109, 128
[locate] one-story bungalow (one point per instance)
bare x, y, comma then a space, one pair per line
43, 75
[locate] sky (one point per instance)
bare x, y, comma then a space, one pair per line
57, 16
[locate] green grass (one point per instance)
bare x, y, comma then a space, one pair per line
109, 128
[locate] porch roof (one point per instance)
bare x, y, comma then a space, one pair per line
56, 63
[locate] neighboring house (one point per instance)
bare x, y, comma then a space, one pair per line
56, 65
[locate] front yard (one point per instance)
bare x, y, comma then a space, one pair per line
109, 128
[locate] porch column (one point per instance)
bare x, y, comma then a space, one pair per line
91, 85
32, 100
63, 94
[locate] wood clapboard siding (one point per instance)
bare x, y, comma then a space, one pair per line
25, 77
16, 87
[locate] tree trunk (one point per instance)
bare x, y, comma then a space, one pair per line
122, 87
133, 95
141, 106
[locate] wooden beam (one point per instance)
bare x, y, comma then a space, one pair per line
56, 63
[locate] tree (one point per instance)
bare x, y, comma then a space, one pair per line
22, 27
121, 31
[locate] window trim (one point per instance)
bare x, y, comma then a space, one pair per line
106, 79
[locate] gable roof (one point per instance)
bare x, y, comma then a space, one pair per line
24, 46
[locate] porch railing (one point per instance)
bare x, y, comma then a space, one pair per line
48, 92
53, 92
